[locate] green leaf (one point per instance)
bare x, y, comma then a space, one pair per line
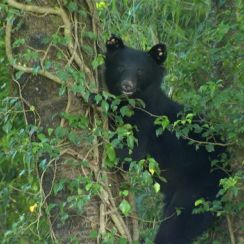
159, 131
72, 6
125, 207
124, 193
162, 121
99, 60
74, 138
152, 167
210, 147
123, 240
61, 132
18, 74
50, 131
42, 137
105, 106
131, 141
18, 42
7, 127
36, 69
156, 187
93, 234
88, 186
98, 98
126, 111
199, 202
178, 211
110, 155
59, 186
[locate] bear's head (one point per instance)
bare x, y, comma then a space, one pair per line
131, 72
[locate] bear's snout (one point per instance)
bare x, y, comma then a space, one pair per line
128, 87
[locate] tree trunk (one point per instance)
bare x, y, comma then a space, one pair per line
51, 47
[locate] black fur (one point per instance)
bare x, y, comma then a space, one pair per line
188, 172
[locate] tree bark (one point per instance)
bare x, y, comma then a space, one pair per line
39, 80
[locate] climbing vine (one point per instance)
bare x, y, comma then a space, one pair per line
60, 181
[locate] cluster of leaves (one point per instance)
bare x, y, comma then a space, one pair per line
205, 71
19, 189
20, 196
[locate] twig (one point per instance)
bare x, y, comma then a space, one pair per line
20, 67
75, 46
45, 196
67, 33
102, 221
67, 107
230, 229
25, 102
106, 197
21, 99
135, 225
186, 137
92, 10
206, 142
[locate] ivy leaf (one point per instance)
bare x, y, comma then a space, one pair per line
178, 211
98, 61
125, 207
131, 141
156, 187
162, 121
110, 155
199, 202
124, 193
42, 137
7, 127
126, 111
59, 186
93, 234
50, 131
72, 6
61, 132
98, 98
105, 106
122, 240
210, 147
74, 138
152, 166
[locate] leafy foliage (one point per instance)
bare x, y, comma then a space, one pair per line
204, 70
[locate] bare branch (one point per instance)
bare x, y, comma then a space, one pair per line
20, 67
67, 30
230, 228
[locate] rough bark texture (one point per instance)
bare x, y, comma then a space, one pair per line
43, 93
35, 23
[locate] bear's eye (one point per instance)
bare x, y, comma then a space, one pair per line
120, 68
139, 71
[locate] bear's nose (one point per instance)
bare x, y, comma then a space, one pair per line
127, 86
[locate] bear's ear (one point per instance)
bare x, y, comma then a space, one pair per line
114, 43
158, 53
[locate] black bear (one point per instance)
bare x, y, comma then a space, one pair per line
139, 74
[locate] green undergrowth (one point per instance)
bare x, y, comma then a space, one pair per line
204, 71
